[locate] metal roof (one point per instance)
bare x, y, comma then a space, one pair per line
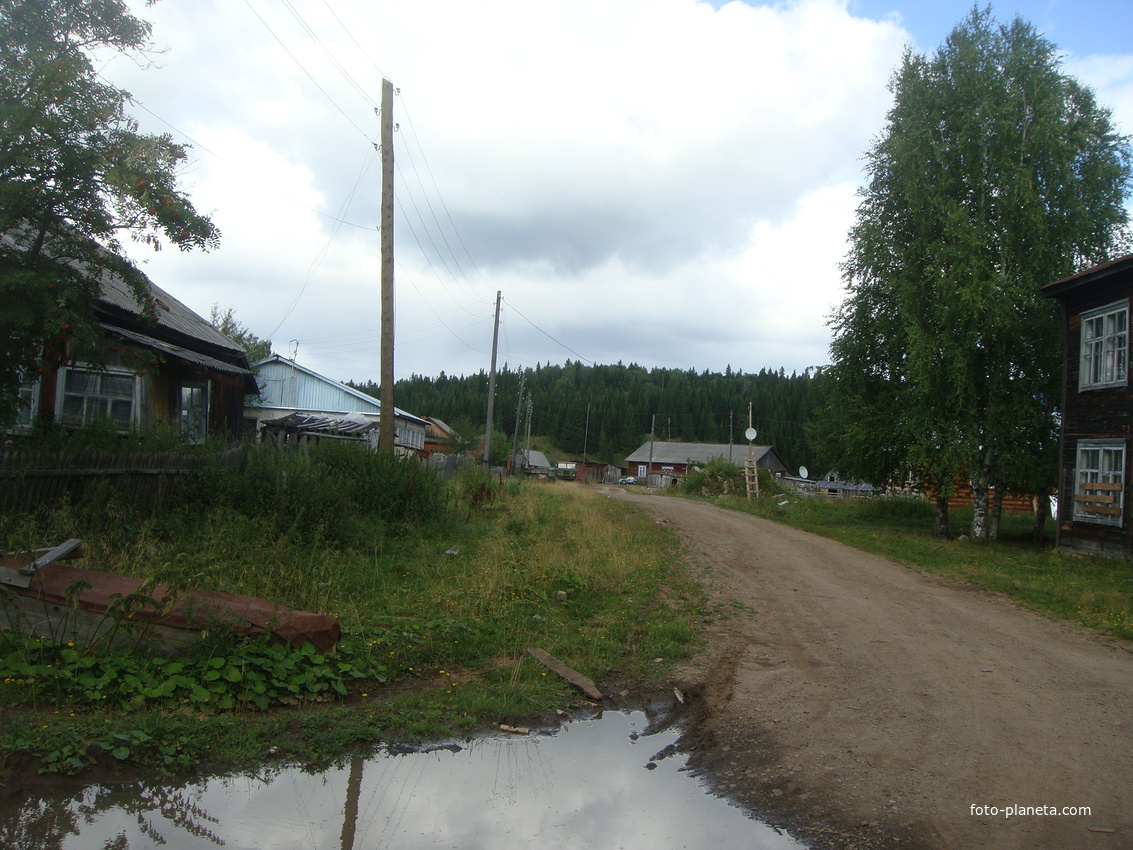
1088, 276
699, 453
170, 313
180, 353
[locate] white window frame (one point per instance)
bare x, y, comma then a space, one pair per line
1099, 482
89, 413
1105, 347
193, 422
25, 414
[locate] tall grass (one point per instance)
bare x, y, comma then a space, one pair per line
443, 597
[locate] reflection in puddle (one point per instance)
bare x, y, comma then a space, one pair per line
594, 784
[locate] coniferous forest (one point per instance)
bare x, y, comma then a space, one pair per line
603, 413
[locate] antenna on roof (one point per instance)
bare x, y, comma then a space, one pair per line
294, 349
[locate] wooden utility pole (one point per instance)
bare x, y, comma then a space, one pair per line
386, 423
492, 386
518, 416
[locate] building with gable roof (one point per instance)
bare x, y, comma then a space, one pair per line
315, 403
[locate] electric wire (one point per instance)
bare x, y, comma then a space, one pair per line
318, 259
308, 74
330, 56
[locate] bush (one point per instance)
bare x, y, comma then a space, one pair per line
718, 478
340, 491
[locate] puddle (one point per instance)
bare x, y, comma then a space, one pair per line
600, 783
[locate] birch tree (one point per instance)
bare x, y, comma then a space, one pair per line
995, 174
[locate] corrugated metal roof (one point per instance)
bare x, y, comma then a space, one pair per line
170, 312
697, 453
179, 352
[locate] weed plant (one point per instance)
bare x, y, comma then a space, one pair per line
440, 588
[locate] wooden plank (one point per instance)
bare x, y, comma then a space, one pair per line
1102, 485
12, 578
573, 676
1100, 499
1101, 509
67, 549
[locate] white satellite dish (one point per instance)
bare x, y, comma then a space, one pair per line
750, 433
803, 472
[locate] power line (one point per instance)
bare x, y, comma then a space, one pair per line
314, 82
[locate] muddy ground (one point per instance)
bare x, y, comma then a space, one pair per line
869, 706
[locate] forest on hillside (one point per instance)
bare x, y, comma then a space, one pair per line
602, 413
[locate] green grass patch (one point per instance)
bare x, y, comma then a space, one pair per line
438, 607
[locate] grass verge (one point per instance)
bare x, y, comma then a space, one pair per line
436, 621
1095, 592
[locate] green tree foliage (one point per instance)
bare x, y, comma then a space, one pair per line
995, 174
226, 322
75, 177
605, 412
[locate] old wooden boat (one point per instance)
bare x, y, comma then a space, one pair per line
42, 595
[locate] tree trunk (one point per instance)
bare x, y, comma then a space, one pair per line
979, 508
996, 513
1041, 503
940, 527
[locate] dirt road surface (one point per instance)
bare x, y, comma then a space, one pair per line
871, 706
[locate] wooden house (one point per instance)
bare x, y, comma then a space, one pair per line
1097, 409
439, 437
673, 460
287, 389
194, 377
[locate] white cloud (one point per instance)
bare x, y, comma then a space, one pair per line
652, 181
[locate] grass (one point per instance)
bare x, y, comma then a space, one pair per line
1092, 591
438, 606
437, 615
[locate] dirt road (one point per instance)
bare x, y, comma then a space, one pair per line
872, 706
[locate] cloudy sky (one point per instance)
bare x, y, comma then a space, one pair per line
661, 182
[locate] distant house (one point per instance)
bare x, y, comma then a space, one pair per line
1097, 409
439, 437
316, 404
196, 379
675, 459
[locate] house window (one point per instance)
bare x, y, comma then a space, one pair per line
1099, 493
27, 403
194, 411
1105, 346
88, 396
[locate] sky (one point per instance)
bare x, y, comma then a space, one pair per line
661, 182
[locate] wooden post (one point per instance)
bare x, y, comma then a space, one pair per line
385, 423
492, 386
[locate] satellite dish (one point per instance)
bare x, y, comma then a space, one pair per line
750, 433
803, 472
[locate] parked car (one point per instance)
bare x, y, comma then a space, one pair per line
629, 480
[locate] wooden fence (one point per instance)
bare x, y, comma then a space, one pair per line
29, 480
